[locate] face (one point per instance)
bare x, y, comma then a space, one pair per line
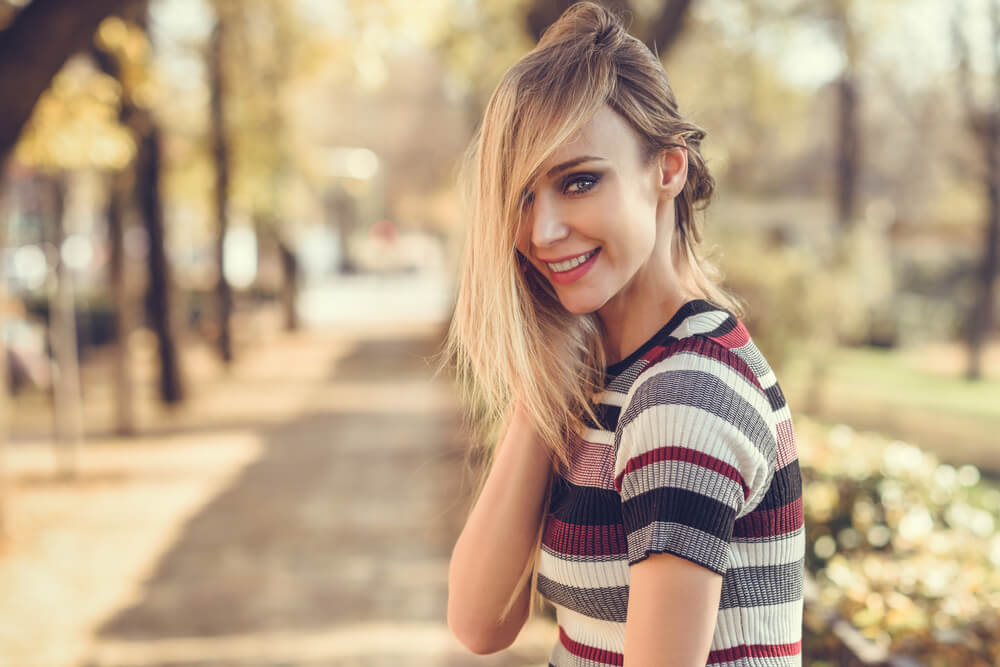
600, 216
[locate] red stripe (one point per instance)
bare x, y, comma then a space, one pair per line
574, 539
590, 652
755, 651
706, 347
772, 522
686, 454
718, 656
738, 337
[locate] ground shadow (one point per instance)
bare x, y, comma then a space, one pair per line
345, 518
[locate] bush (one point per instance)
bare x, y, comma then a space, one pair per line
904, 547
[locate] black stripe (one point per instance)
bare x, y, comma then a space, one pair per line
785, 487
688, 309
608, 416
775, 396
585, 505
679, 506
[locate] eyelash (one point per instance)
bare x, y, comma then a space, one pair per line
580, 178
571, 180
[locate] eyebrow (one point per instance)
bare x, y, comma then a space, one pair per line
568, 164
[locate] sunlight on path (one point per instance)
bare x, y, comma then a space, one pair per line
392, 643
298, 510
119, 518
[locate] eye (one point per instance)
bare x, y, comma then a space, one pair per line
526, 199
580, 183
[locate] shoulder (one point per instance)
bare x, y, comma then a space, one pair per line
700, 372
701, 401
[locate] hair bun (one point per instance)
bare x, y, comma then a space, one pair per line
586, 18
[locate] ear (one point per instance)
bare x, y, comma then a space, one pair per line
672, 167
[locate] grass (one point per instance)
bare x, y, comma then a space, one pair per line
893, 377
918, 395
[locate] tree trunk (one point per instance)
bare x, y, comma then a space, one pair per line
119, 187
848, 160
159, 296
220, 147
659, 34
289, 285
33, 48
4, 396
124, 317
985, 126
848, 167
982, 314
62, 332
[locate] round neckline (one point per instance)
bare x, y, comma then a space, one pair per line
687, 309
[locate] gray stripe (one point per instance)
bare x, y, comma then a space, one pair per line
753, 358
707, 392
676, 538
788, 661
624, 380
604, 604
760, 585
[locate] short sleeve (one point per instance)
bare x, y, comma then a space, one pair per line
694, 451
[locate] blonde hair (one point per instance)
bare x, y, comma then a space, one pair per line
509, 336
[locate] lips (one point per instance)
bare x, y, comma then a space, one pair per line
570, 275
556, 260
571, 262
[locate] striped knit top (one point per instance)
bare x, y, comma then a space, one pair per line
695, 455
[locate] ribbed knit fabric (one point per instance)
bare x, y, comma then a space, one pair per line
695, 455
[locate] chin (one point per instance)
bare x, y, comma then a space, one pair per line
581, 306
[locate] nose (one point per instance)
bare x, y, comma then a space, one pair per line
547, 226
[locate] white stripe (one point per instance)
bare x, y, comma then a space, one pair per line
607, 635
684, 425
584, 574
599, 436
775, 551
699, 323
611, 397
770, 624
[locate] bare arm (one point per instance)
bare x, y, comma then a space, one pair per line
496, 542
673, 608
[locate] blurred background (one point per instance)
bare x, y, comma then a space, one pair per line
229, 235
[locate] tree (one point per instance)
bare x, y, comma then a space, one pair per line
984, 123
658, 31
221, 152
112, 57
34, 47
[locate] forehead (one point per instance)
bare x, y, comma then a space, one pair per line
606, 135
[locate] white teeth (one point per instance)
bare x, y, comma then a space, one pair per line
559, 267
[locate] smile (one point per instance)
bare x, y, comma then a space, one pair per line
560, 267
571, 269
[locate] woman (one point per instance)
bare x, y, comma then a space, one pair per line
646, 480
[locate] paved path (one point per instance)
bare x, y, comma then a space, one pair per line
299, 510
331, 547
